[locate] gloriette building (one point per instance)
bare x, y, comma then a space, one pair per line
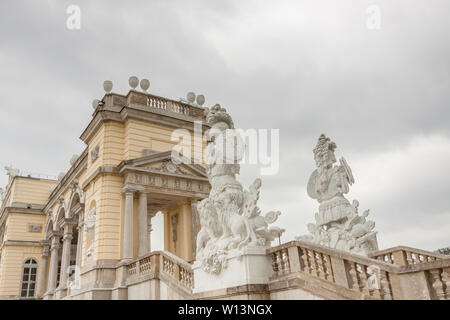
86, 235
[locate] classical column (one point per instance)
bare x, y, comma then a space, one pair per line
53, 271
43, 271
80, 229
65, 259
127, 252
143, 222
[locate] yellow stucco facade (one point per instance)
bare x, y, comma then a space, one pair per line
99, 214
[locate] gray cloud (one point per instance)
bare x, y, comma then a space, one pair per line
303, 67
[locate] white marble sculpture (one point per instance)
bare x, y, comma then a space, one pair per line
338, 224
90, 230
230, 217
11, 172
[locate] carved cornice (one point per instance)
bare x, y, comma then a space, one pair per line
161, 157
100, 170
19, 210
22, 243
139, 112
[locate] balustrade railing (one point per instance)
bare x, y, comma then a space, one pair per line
165, 263
367, 276
403, 256
166, 105
440, 283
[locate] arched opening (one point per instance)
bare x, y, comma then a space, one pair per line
29, 276
59, 227
157, 232
75, 210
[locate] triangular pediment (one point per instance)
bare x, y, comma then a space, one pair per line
167, 162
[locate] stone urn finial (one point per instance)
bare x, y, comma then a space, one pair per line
145, 84
133, 81
190, 97
95, 103
107, 85
200, 99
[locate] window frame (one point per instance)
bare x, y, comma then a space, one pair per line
29, 264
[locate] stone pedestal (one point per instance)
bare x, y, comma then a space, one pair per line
250, 267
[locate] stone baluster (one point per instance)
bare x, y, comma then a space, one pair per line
285, 261
446, 281
437, 284
328, 268
353, 275
385, 290
275, 267
306, 265
314, 266
409, 258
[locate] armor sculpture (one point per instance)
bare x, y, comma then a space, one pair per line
338, 224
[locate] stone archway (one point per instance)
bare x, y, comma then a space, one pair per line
75, 214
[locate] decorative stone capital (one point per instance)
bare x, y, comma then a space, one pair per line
55, 246
55, 234
46, 248
69, 222
132, 188
46, 252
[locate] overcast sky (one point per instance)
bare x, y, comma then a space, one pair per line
303, 67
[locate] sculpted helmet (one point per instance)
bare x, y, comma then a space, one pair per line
218, 114
322, 151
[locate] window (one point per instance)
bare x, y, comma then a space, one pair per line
29, 275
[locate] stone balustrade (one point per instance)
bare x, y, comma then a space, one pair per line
165, 263
172, 106
403, 256
153, 103
359, 277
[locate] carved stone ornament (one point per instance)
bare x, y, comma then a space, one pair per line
90, 230
94, 153
338, 224
34, 228
12, 172
230, 218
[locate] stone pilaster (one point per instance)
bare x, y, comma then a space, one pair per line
127, 251
143, 225
53, 271
80, 229
43, 272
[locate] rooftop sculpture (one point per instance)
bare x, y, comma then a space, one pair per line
338, 224
230, 217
